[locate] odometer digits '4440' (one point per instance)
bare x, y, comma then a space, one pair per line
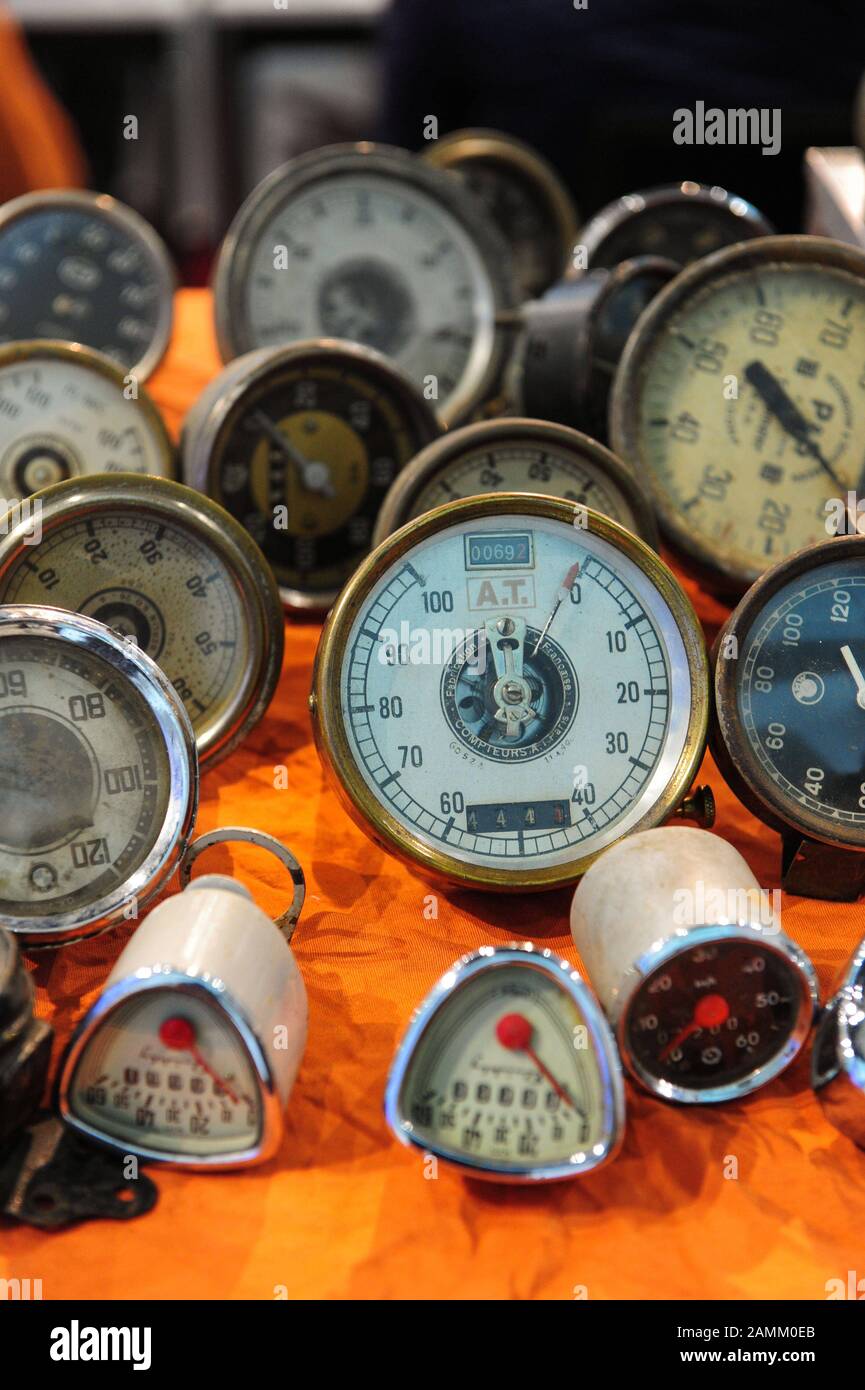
508, 685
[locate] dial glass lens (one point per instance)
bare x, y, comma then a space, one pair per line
525, 467
304, 462
167, 1071
152, 580
376, 261
502, 1074
801, 692
683, 230
713, 1014
60, 419
752, 408
69, 274
85, 767
515, 691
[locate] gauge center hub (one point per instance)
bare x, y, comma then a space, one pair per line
37, 461
131, 614
367, 301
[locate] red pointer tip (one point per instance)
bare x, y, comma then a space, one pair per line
514, 1032
177, 1033
711, 1011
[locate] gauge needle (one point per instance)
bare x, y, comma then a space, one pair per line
314, 476
563, 593
711, 1011
179, 1034
787, 413
511, 692
856, 672
515, 1033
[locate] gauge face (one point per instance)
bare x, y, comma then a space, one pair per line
712, 1015
376, 249
670, 222
800, 695
62, 416
741, 395
84, 269
303, 458
517, 456
509, 1070
156, 565
167, 1071
83, 760
513, 693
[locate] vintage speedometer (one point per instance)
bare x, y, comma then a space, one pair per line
506, 686
367, 243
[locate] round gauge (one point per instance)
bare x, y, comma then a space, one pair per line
171, 570
509, 1070
740, 399
788, 706
506, 686
716, 1017
367, 243
838, 1058
300, 445
512, 455
64, 412
681, 221
523, 196
83, 268
98, 756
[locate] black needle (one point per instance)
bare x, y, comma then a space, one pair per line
787, 413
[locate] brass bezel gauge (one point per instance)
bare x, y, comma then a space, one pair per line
244, 443
69, 435
363, 283
590, 466
823, 851
121, 239
699, 422
80, 518
503, 709
520, 1094
118, 694
613, 234
518, 172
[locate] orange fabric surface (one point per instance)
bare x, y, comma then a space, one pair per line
344, 1211
38, 146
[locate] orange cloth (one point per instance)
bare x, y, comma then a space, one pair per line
38, 146
346, 1212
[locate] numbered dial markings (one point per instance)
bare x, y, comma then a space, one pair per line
85, 765
712, 1015
168, 1071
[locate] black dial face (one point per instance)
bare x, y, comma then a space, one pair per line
682, 230
712, 1015
73, 274
801, 695
520, 212
304, 462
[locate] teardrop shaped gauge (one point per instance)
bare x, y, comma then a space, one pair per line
509, 1070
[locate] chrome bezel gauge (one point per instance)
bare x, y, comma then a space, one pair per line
837, 1067
745, 220
461, 976
132, 668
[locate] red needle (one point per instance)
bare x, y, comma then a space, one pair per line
179, 1034
515, 1033
711, 1011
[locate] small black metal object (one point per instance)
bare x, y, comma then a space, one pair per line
50, 1177
25, 1043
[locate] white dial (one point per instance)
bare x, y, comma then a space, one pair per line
60, 418
515, 691
167, 1070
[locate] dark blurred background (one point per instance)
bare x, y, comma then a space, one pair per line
224, 90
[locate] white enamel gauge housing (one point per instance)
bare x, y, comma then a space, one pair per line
514, 455
66, 411
189, 1055
82, 267
163, 565
507, 685
369, 244
740, 400
98, 776
708, 997
509, 1071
